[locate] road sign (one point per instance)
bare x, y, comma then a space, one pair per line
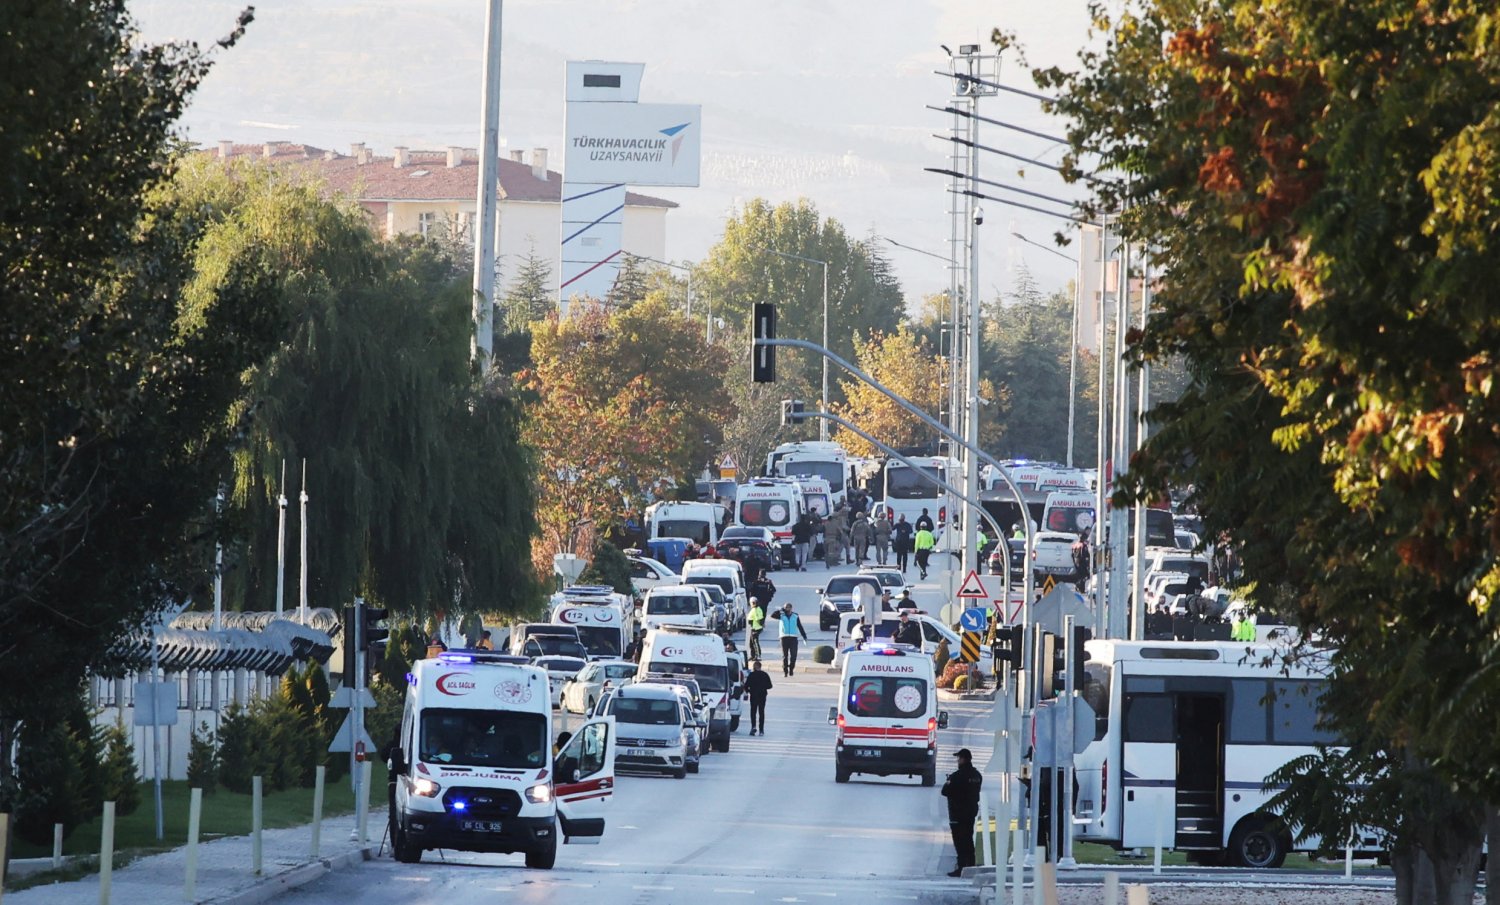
972, 587
728, 468
344, 739
1048, 585
969, 647
155, 703
973, 619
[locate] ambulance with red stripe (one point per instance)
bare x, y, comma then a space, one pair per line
887, 715
472, 767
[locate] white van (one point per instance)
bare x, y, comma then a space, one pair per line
473, 768
602, 625
887, 715
700, 522
675, 604
726, 573
675, 651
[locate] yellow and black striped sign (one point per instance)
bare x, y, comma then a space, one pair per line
969, 647
1048, 585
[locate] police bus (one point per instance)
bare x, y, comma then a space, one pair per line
1185, 735
907, 491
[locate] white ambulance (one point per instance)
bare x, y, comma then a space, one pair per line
774, 503
602, 626
473, 770
696, 654
887, 715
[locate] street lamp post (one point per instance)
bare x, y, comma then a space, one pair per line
822, 424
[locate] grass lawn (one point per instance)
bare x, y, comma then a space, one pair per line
224, 814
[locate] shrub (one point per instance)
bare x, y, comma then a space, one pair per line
609, 567
941, 656
49, 768
118, 779
823, 653
237, 748
203, 761
960, 682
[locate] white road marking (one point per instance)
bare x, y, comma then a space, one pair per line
742, 892
657, 888
603, 863
415, 879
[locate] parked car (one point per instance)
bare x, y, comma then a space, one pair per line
584, 691
838, 597
752, 533
720, 615
652, 728
754, 554
646, 573
1052, 554
891, 579
560, 671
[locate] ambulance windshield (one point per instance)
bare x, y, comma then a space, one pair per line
506, 739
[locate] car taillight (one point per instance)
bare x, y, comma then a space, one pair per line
841, 729
932, 733
942, 515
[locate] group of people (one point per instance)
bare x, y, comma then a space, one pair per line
851, 534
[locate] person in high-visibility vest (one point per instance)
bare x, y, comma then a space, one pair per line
756, 619
923, 543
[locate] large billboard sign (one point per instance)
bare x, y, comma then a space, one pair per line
634, 144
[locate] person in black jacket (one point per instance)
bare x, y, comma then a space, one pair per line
962, 791
924, 521
757, 685
901, 535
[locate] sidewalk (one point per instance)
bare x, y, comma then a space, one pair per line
224, 876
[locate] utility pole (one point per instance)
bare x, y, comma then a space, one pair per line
281, 541
1143, 402
302, 563
1101, 480
481, 345
1119, 541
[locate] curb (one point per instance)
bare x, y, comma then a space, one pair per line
296, 877
987, 694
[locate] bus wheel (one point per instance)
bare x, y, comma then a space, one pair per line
1255, 843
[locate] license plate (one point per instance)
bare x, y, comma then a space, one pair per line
482, 826
638, 752
867, 752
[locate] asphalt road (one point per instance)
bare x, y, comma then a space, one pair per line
764, 822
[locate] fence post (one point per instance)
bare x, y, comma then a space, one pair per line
1139, 894
1002, 849
1040, 859
195, 815
106, 852
981, 849
1018, 876
317, 824
1111, 888
255, 820
365, 769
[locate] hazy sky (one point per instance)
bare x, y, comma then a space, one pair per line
823, 99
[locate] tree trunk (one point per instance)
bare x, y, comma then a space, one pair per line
1492, 834
1455, 877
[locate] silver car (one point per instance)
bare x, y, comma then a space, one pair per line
652, 728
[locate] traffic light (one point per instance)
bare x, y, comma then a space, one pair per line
1007, 646
763, 358
1051, 665
1078, 656
350, 630
793, 411
373, 636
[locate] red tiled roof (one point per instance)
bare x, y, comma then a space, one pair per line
426, 176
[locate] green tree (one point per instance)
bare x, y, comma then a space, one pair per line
419, 483
1318, 188
1026, 354
528, 298
632, 282
203, 760
608, 567
121, 784
863, 296
114, 382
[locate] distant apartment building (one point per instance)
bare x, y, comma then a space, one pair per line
417, 192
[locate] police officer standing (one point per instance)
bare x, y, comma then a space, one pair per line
962, 791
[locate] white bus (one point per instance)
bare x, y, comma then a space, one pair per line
1185, 735
906, 492
815, 458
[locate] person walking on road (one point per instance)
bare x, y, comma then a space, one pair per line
962, 791
924, 521
762, 588
756, 619
880, 531
859, 538
901, 535
757, 685
923, 542
801, 538
791, 627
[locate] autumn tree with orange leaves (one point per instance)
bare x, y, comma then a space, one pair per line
625, 404
1320, 185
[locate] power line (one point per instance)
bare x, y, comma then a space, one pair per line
1003, 125
1001, 185
962, 77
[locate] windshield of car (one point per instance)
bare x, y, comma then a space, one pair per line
765, 512
619, 670
648, 711
1194, 567
723, 585
507, 739
887, 697
548, 645
708, 677
890, 579
695, 529
674, 605
845, 584
832, 472
562, 664
743, 532
600, 641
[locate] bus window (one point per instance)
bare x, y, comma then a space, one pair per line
1096, 693
1248, 720
907, 484
1147, 718
1295, 715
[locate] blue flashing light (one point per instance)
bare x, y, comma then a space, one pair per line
411, 679
455, 658
460, 805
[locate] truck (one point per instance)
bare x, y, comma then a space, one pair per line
473, 769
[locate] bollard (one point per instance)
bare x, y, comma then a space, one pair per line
1161, 834
57, 834
1040, 860
195, 815
1349, 859
1047, 880
317, 824
255, 840
1137, 895
4, 847
1111, 888
364, 802
1002, 850
106, 852
1018, 874
981, 838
